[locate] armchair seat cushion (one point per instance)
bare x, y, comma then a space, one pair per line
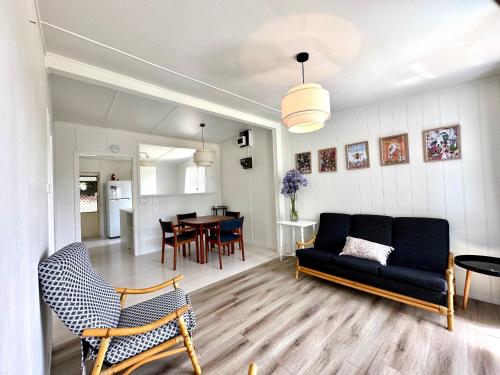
121, 348
425, 279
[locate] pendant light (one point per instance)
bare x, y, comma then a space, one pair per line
203, 157
305, 107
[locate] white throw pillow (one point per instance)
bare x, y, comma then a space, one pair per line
359, 248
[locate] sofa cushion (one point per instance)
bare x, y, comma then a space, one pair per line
382, 282
332, 232
360, 248
425, 279
313, 257
374, 228
356, 264
420, 243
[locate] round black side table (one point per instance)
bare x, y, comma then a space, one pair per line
477, 263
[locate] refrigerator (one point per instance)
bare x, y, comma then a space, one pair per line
118, 196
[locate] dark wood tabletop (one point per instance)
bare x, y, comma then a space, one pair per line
204, 220
479, 263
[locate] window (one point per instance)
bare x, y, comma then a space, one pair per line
89, 201
195, 180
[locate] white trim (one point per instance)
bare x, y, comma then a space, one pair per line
66, 67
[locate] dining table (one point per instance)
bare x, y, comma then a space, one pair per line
202, 223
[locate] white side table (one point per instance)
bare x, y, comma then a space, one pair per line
294, 225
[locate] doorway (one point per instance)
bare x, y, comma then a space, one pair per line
90, 220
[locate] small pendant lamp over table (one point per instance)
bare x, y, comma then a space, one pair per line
203, 157
305, 107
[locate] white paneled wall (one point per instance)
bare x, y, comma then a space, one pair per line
251, 191
466, 191
73, 138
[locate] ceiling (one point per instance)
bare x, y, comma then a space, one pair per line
241, 53
84, 103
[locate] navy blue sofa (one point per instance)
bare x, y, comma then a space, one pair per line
419, 271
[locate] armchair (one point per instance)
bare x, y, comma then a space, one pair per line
119, 339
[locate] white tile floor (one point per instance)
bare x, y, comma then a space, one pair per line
122, 269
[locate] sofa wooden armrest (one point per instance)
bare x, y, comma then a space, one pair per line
302, 245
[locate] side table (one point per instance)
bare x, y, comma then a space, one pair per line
302, 224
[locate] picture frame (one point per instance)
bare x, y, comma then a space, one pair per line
357, 155
394, 150
327, 160
303, 162
442, 143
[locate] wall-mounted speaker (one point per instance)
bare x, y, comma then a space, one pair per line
246, 163
246, 138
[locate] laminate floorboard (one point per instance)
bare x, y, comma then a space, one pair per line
311, 326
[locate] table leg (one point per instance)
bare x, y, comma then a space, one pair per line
293, 241
280, 244
302, 234
468, 277
202, 246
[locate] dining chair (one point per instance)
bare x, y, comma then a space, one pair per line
235, 214
119, 339
186, 216
180, 236
227, 232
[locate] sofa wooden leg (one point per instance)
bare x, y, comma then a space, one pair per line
296, 269
189, 345
451, 293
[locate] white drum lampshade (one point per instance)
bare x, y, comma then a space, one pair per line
305, 108
203, 158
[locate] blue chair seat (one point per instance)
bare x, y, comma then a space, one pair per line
191, 235
225, 237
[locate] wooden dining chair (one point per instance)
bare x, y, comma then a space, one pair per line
227, 232
180, 236
235, 214
186, 216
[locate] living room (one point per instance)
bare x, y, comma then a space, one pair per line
258, 187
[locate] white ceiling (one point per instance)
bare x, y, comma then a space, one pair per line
361, 51
84, 103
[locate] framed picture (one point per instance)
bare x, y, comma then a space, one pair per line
327, 159
303, 162
357, 155
394, 150
442, 143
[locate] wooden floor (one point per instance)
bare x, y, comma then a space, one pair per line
310, 326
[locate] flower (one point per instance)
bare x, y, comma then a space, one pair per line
292, 181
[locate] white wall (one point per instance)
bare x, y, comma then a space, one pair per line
466, 191
75, 138
24, 323
251, 191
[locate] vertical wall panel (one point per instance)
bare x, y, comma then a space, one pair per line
466, 191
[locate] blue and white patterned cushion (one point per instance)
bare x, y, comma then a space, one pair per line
79, 296
123, 347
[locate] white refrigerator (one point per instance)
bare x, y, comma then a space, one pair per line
118, 196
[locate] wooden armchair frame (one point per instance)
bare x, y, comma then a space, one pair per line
448, 310
158, 352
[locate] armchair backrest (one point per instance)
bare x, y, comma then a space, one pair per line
79, 296
231, 225
166, 226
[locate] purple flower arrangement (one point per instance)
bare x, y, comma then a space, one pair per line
292, 182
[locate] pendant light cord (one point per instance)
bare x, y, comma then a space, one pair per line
302, 73
202, 138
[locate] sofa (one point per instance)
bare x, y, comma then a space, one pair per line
419, 271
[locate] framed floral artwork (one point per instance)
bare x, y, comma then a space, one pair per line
327, 159
357, 155
303, 162
442, 143
394, 150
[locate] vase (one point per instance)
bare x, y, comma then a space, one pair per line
294, 215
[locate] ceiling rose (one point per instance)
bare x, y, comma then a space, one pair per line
305, 107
